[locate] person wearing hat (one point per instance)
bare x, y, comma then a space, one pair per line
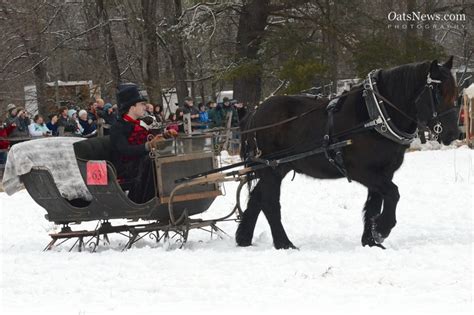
11, 114
229, 108
131, 147
10, 121
22, 121
73, 123
109, 115
215, 114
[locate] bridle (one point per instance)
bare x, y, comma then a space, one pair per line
431, 90
430, 93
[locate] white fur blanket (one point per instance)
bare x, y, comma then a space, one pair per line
56, 154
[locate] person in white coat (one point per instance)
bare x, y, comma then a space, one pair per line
38, 127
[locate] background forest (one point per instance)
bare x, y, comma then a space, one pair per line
254, 47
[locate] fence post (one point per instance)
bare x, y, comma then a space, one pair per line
228, 133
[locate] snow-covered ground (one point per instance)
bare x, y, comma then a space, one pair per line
426, 269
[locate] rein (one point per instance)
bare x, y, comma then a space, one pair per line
294, 117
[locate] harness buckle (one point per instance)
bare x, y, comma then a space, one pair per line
429, 80
438, 128
367, 86
375, 122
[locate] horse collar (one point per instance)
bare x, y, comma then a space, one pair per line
378, 113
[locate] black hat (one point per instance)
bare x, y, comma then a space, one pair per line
225, 99
127, 96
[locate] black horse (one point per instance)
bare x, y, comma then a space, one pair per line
413, 93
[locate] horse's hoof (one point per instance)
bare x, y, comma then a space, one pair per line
244, 244
369, 241
377, 237
243, 241
286, 246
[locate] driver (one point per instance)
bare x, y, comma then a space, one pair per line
130, 143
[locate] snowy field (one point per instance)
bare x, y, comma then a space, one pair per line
426, 269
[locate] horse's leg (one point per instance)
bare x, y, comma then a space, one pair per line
271, 185
384, 223
372, 208
244, 233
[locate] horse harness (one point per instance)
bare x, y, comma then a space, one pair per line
381, 121
375, 104
331, 146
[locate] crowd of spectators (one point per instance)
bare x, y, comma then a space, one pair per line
212, 114
18, 124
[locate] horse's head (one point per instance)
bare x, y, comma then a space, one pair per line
435, 103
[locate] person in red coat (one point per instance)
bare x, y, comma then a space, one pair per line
131, 143
5, 131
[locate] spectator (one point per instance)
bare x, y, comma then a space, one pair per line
241, 109
174, 124
88, 128
53, 124
5, 131
11, 114
203, 116
100, 103
38, 128
99, 109
149, 110
22, 122
110, 114
62, 119
189, 108
91, 111
228, 108
215, 114
158, 113
65, 122
73, 122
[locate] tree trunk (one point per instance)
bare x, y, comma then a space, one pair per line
252, 22
94, 40
151, 75
172, 11
40, 83
112, 57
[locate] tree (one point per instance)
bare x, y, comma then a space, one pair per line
151, 75
248, 74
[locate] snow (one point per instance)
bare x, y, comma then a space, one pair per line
426, 269
469, 91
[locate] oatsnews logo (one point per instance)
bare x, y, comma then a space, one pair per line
425, 20
424, 17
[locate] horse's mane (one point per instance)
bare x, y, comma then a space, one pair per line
400, 84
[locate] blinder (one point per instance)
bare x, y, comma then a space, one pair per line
431, 94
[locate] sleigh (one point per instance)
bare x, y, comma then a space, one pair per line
171, 213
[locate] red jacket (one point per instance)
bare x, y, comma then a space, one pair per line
4, 133
128, 140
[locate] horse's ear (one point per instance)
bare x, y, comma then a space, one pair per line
449, 64
434, 67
